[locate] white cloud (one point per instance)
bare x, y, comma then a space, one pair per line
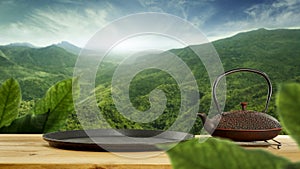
45, 26
182, 6
183, 9
200, 20
179, 8
151, 5
279, 14
285, 3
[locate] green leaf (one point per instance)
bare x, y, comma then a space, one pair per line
215, 153
288, 103
293, 166
10, 98
26, 124
58, 102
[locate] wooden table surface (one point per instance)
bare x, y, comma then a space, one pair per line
31, 151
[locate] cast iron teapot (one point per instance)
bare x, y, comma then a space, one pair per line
242, 125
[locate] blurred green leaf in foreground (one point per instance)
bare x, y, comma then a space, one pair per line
288, 103
48, 114
10, 98
222, 154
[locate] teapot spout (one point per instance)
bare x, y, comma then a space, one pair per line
208, 124
203, 117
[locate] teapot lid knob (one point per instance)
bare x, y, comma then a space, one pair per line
244, 105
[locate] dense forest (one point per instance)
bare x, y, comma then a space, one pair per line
276, 52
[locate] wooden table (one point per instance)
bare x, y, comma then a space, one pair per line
30, 151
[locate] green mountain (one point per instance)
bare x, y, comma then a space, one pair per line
51, 59
36, 69
276, 52
4, 60
273, 51
22, 44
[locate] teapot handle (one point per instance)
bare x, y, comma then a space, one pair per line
242, 70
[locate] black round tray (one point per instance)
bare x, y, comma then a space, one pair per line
118, 140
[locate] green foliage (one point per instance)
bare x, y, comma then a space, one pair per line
25, 107
293, 166
114, 118
216, 153
288, 102
10, 97
27, 124
48, 114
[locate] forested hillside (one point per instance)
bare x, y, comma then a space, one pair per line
276, 52
36, 69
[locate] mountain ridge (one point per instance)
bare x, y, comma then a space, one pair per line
25, 44
69, 47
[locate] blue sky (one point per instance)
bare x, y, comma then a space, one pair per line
51, 21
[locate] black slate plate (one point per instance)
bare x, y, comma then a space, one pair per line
117, 140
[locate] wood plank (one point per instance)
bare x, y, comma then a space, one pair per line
289, 148
31, 151
84, 166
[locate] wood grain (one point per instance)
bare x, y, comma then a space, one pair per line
32, 152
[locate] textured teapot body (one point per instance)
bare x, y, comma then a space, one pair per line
247, 120
242, 125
